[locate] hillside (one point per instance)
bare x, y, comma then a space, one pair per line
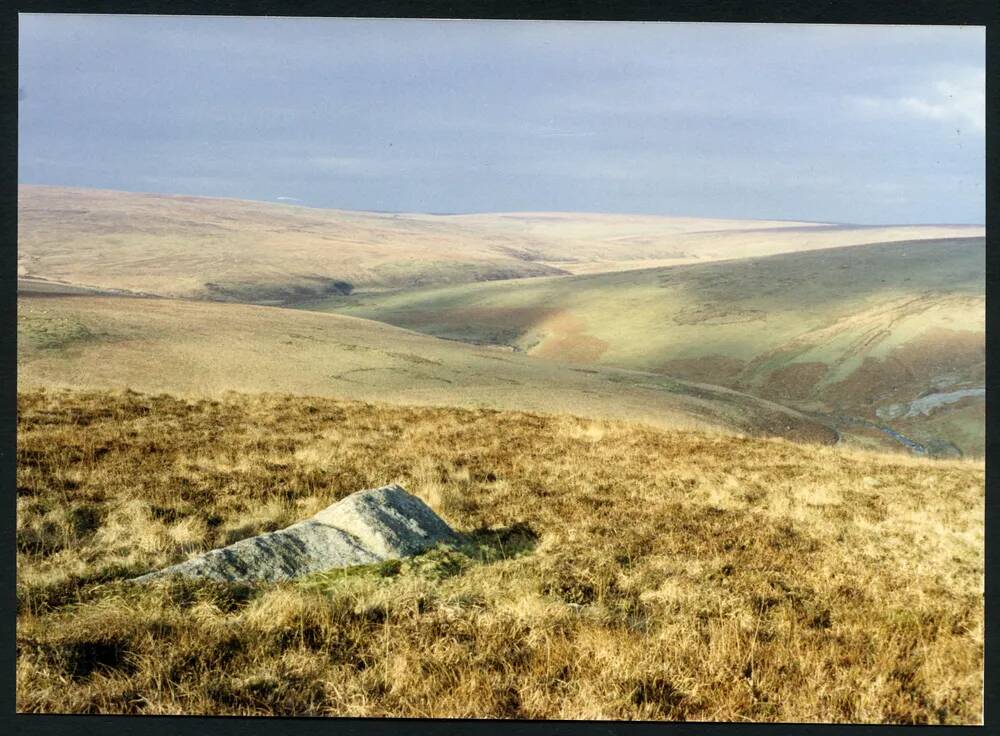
234, 250
612, 570
863, 331
203, 348
581, 242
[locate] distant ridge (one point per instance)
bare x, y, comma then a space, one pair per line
225, 249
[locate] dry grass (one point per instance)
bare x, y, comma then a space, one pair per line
613, 570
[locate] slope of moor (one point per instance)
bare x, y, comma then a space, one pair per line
865, 331
204, 348
234, 250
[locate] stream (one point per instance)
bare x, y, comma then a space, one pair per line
912, 445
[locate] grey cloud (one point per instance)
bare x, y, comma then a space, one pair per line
856, 124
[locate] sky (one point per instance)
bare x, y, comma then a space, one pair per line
852, 124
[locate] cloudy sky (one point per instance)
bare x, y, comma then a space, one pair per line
877, 124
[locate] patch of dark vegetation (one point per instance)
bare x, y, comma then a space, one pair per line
307, 635
577, 585
224, 596
282, 693
74, 589
509, 703
78, 659
439, 563
658, 692
499, 543
319, 287
43, 539
307, 288
215, 655
47, 536
166, 514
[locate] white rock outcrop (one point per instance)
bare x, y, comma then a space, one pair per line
368, 526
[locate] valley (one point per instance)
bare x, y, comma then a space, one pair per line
841, 327
837, 331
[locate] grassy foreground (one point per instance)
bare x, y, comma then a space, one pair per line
613, 570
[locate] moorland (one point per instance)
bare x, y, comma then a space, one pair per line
705, 469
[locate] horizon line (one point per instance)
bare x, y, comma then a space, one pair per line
298, 203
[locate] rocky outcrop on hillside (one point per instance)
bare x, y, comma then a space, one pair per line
368, 526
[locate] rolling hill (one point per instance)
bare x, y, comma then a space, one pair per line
202, 348
256, 252
887, 333
581, 242
234, 250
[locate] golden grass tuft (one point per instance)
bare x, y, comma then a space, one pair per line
612, 570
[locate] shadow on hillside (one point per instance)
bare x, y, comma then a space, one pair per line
501, 543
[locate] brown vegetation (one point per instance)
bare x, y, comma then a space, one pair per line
613, 570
